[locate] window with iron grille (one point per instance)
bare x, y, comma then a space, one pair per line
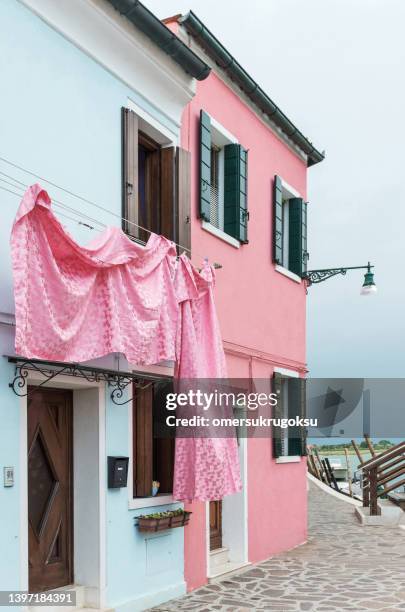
289, 244
223, 181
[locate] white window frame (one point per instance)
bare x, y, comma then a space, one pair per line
289, 374
220, 137
136, 503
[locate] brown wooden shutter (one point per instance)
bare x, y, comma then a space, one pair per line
175, 195
129, 126
163, 446
184, 197
143, 441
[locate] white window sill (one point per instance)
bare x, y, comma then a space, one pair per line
288, 273
220, 234
289, 459
150, 502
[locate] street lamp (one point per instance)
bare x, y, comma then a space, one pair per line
318, 276
369, 286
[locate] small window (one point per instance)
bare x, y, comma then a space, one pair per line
155, 183
153, 452
223, 180
286, 412
291, 393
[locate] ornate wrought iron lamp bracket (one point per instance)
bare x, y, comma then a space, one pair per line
318, 276
117, 381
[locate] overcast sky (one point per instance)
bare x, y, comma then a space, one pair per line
337, 69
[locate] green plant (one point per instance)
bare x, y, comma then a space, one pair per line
158, 515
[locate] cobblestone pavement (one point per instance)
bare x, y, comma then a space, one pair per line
343, 566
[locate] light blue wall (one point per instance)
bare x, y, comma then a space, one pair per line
60, 117
140, 563
9, 456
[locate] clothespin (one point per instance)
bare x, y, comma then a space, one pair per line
215, 265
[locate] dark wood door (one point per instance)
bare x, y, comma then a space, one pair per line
215, 525
50, 482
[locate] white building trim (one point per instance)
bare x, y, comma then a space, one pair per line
136, 503
286, 272
215, 231
286, 372
94, 593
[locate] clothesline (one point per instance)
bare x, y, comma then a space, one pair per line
74, 211
75, 195
59, 213
56, 202
215, 265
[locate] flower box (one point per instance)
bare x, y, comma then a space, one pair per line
163, 520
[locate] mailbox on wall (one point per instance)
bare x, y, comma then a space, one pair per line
117, 472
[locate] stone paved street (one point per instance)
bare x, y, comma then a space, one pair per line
342, 567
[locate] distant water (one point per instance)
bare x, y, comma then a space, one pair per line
324, 441
354, 463
353, 460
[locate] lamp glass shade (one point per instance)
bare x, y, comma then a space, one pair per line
369, 287
368, 290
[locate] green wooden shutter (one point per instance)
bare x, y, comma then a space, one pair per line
278, 441
205, 166
297, 407
236, 214
298, 254
304, 235
277, 221
303, 400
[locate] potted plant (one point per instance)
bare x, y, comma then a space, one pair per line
159, 521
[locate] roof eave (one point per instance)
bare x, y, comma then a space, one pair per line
143, 19
217, 52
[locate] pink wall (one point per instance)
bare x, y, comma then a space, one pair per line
270, 312
277, 495
262, 317
195, 547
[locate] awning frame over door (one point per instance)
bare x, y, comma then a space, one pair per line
117, 380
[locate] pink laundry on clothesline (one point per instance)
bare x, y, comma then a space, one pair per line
75, 303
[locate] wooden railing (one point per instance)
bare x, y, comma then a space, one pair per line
381, 474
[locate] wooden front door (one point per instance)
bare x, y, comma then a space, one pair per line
50, 482
215, 525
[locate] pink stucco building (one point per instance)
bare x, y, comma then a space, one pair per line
248, 212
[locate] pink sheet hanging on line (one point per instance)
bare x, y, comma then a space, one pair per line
75, 303
206, 468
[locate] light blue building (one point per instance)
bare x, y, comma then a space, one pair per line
67, 70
